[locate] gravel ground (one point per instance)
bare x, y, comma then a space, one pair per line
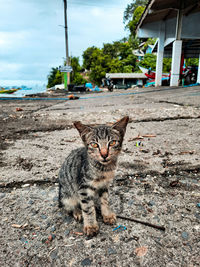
157, 180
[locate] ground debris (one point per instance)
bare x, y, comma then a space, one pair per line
141, 251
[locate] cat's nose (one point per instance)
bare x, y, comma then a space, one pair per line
104, 153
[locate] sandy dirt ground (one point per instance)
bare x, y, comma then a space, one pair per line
157, 180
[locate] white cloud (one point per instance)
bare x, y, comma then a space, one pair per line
32, 42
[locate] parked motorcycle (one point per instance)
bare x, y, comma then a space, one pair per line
190, 74
108, 83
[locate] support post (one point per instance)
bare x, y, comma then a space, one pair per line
176, 62
159, 60
198, 74
177, 48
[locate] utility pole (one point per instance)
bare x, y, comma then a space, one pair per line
66, 75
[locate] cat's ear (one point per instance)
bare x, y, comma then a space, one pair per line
83, 129
120, 125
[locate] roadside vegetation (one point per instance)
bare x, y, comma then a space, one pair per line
114, 57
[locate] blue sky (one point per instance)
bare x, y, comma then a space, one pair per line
32, 42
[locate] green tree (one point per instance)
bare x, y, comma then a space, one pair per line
128, 13
75, 75
113, 57
135, 19
87, 57
192, 61
55, 77
149, 61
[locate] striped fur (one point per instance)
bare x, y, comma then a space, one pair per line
87, 172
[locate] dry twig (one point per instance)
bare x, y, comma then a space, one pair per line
145, 223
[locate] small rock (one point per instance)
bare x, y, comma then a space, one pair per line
156, 218
197, 215
130, 202
151, 203
185, 235
55, 199
25, 185
67, 219
54, 254
31, 202
53, 228
86, 262
111, 251
198, 204
43, 216
2, 195
67, 232
53, 236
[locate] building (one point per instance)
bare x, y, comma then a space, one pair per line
127, 79
176, 25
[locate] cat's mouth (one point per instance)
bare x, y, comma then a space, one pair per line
105, 161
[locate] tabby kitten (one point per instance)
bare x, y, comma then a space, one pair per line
87, 172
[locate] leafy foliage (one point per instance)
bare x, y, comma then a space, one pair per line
130, 9
75, 76
55, 77
192, 61
135, 19
149, 61
115, 57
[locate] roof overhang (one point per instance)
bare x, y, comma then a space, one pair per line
159, 10
163, 13
126, 75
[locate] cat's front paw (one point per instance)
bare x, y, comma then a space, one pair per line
91, 230
110, 219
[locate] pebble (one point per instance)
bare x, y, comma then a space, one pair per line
67, 232
43, 216
2, 195
25, 185
55, 199
86, 262
156, 218
151, 203
54, 254
67, 219
53, 228
185, 235
198, 204
31, 202
111, 251
130, 202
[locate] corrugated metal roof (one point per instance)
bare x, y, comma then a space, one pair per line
126, 75
157, 10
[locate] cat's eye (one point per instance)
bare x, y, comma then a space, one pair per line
112, 143
94, 145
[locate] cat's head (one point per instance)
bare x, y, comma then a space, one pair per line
103, 142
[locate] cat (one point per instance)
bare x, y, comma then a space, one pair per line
87, 172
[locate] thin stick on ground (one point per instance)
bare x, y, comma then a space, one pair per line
145, 223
